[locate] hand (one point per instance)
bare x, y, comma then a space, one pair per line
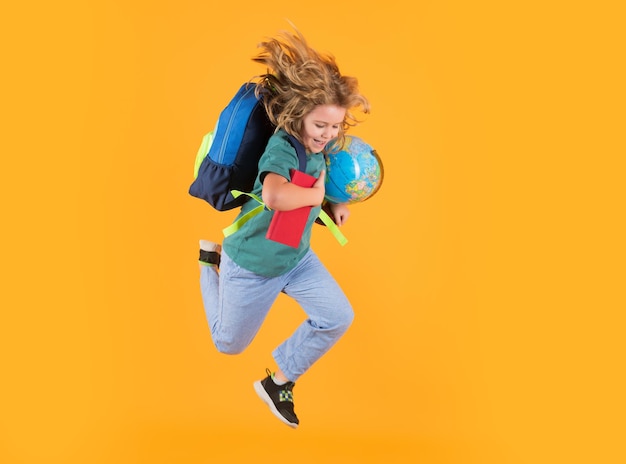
340, 213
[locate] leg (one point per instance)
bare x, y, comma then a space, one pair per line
329, 316
236, 303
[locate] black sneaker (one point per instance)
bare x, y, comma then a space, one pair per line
210, 253
279, 398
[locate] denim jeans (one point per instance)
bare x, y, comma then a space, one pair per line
236, 302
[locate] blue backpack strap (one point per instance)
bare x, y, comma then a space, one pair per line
300, 150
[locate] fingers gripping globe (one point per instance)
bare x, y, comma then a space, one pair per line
354, 173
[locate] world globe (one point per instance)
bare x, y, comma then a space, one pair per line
354, 173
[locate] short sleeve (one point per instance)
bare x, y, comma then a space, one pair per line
279, 157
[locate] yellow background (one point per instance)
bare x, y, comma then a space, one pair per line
487, 274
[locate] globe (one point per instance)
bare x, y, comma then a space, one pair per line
354, 173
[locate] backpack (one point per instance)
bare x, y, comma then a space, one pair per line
228, 157
227, 161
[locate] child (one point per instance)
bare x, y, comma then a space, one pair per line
304, 95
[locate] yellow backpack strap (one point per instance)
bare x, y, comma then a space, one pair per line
207, 141
332, 227
238, 224
235, 226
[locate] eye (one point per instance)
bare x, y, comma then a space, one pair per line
319, 126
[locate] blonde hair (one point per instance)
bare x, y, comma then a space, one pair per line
298, 79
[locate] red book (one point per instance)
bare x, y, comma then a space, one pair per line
286, 227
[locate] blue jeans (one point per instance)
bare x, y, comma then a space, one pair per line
236, 302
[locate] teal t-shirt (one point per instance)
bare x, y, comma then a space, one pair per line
248, 247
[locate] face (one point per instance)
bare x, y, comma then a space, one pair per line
321, 126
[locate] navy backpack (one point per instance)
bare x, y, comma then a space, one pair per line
228, 157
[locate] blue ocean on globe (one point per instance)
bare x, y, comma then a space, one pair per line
354, 173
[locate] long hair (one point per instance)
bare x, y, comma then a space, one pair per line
298, 79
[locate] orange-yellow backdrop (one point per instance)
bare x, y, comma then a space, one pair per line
487, 275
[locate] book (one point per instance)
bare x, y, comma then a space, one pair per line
286, 227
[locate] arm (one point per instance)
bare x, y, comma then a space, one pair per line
280, 194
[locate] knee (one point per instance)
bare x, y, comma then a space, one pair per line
228, 349
342, 319
347, 318
228, 346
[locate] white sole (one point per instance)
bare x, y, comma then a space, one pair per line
267, 400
